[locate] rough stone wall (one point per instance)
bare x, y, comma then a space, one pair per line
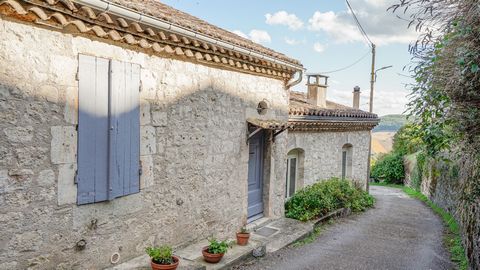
323, 154
454, 186
193, 153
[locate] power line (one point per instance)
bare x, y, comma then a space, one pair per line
349, 66
359, 25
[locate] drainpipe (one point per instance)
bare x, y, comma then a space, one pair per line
133, 15
297, 81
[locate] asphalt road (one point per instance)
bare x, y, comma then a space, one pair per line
399, 233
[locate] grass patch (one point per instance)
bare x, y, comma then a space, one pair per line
453, 237
313, 235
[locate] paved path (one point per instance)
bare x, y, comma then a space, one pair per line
399, 233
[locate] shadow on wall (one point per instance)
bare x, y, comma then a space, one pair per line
192, 152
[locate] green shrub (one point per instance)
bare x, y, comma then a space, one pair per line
389, 168
326, 196
160, 255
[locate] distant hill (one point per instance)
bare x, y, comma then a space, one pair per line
391, 123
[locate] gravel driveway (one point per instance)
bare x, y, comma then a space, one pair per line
399, 233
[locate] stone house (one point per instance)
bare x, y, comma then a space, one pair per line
129, 123
326, 139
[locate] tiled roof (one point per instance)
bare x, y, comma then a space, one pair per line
159, 10
74, 17
304, 116
299, 106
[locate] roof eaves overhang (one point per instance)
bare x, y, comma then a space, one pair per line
120, 24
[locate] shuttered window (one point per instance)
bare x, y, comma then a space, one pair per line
108, 129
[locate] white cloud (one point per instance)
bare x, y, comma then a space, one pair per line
292, 41
260, 36
382, 26
255, 35
318, 47
284, 18
240, 33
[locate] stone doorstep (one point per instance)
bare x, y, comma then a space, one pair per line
277, 234
191, 257
287, 231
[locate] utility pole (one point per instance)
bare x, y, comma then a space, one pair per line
372, 85
372, 79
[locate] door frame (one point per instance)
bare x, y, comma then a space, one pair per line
261, 137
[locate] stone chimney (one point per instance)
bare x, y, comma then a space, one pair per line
356, 97
317, 92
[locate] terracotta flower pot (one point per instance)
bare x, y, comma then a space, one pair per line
211, 258
242, 238
173, 266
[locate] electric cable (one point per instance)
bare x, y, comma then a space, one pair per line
359, 25
349, 66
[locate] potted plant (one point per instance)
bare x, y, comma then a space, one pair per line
242, 237
162, 258
214, 252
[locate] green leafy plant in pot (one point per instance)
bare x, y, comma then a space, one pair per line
214, 252
162, 258
242, 237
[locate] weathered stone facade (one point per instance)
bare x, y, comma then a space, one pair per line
323, 154
193, 151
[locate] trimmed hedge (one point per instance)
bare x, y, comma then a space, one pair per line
325, 196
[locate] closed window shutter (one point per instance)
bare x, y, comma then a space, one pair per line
93, 120
125, 133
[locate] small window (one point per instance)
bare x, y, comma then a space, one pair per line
292, 175
108, 130
262, 107
347, 161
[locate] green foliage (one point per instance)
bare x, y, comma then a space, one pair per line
405, 141
160, 255
218, 247
325, 196
389, 168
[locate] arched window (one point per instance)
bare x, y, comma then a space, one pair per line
294, 179
347, 161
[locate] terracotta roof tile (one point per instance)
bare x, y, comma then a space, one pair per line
159, 10
300, 107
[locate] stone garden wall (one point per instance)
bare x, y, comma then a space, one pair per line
193, 154
323, 154
453, 185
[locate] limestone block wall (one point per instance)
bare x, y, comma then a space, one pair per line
194, 154
323, 154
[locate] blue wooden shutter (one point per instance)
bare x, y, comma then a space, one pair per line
92, 156
125, 133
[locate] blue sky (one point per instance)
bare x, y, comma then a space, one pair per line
323, 37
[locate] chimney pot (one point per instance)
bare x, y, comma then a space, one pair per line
317, 92
356, 97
